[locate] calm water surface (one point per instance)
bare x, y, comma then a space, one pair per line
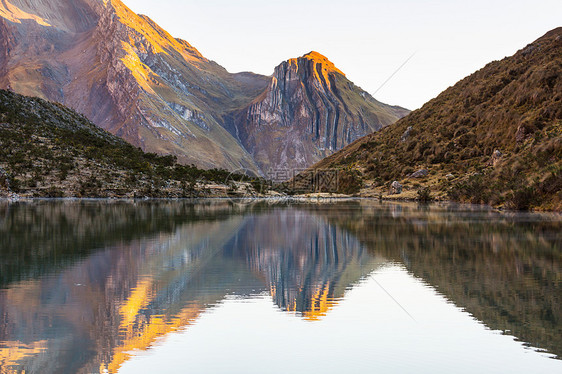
238, 287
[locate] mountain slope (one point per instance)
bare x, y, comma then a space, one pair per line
132, 78
309, 110
495, 137
48, 150
126, 74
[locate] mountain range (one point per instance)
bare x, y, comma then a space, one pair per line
133, 79
495, 137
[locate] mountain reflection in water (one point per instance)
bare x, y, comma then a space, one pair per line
85, 284
95, 301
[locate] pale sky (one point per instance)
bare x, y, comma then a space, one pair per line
367, 39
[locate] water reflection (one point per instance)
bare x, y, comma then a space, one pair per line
103, 294
306, 263
85, 284
503, 268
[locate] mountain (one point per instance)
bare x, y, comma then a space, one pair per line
309, 110
495, 137
48, 150
127, 75
132, 78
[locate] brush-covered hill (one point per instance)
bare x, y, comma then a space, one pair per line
48, 150
495, 137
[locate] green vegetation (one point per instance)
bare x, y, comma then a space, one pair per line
48, 150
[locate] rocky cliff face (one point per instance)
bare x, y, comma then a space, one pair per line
309, 110
135, 80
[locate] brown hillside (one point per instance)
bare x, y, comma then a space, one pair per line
512, 106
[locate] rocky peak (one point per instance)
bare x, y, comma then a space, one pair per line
496, 135
126, 74
134, 79
317, 107
312, 67
319, 59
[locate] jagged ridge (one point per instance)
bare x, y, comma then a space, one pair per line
128, 75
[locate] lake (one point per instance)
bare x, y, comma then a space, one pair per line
226, 286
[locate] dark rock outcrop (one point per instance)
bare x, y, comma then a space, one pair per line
395, 188
420, 173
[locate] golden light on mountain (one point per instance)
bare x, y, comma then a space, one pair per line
132, 78
323, 61
142, 333
14, 14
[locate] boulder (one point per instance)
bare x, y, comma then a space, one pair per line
496, 157
395, 188
420, 173
406, 134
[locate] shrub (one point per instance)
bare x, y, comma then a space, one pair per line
424, 195
521, 199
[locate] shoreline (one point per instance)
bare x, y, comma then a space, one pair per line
320, 198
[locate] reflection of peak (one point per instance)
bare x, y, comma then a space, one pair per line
11, 352
317, 305
128, 295
145, 331
306, 263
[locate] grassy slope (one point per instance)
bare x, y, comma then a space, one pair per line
513, 105
48, 150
